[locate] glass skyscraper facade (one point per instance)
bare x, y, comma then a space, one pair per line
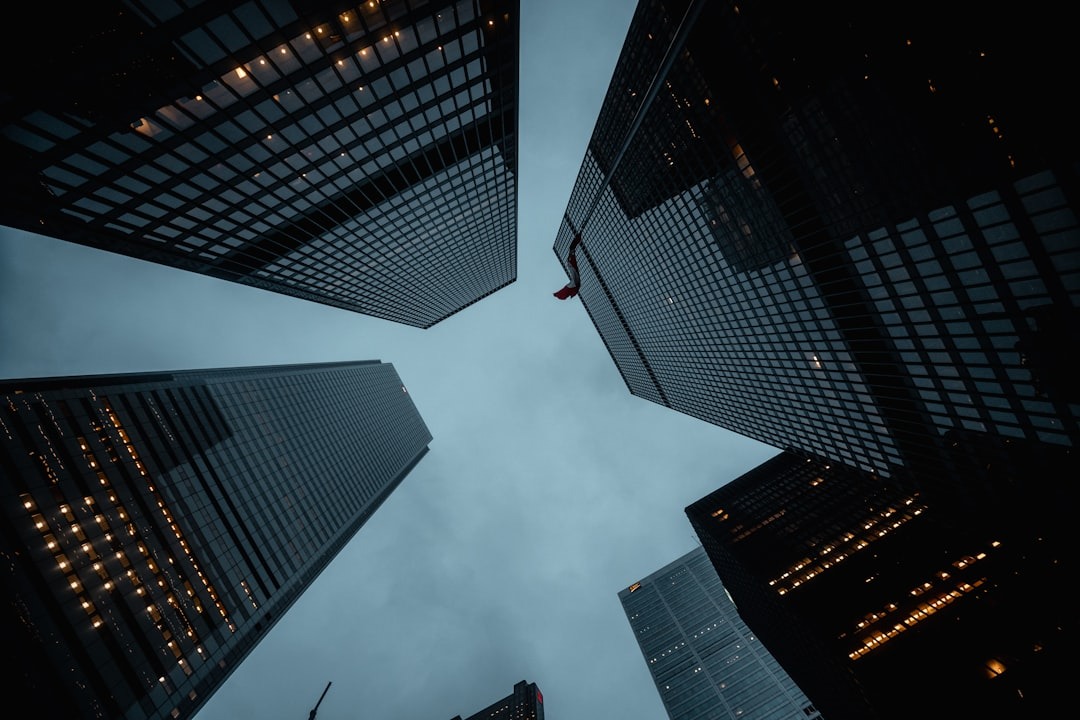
526, 702
850, 232
359, 155
706, 662
881, 606
156, 526
840, 228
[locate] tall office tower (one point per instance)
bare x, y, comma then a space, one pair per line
156, 526
841, 228
525, 703
879, 606
362, 155
705, 661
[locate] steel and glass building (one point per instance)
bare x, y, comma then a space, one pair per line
841, 228
882, 606
361, 155
156, 526
705, 661
526, 702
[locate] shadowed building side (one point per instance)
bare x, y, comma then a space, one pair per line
840, 230
526, 702
882, 604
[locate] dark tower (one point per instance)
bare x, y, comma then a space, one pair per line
847, 230
881, 604
525, 703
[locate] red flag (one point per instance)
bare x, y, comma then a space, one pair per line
571, 288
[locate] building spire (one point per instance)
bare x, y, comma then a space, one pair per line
311, 715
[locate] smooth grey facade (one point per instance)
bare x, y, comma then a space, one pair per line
361, 155
707, 664
156, 526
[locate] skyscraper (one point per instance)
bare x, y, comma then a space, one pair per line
851, 232
841, 228
156, 526
704, 659
359, 155
881, 606
525, 703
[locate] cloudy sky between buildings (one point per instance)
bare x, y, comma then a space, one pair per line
548, 487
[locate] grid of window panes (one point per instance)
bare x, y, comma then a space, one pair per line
655, 23
818, 268
758, 353
173, 519
363, 159
963, 290
825, 512
704, 659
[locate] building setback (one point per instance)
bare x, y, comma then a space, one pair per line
880, 606
706, 662
156, 526
525, 703
361, 156
845, 229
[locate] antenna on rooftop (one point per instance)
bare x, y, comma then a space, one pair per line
311, 715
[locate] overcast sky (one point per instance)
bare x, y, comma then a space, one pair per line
548, 487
